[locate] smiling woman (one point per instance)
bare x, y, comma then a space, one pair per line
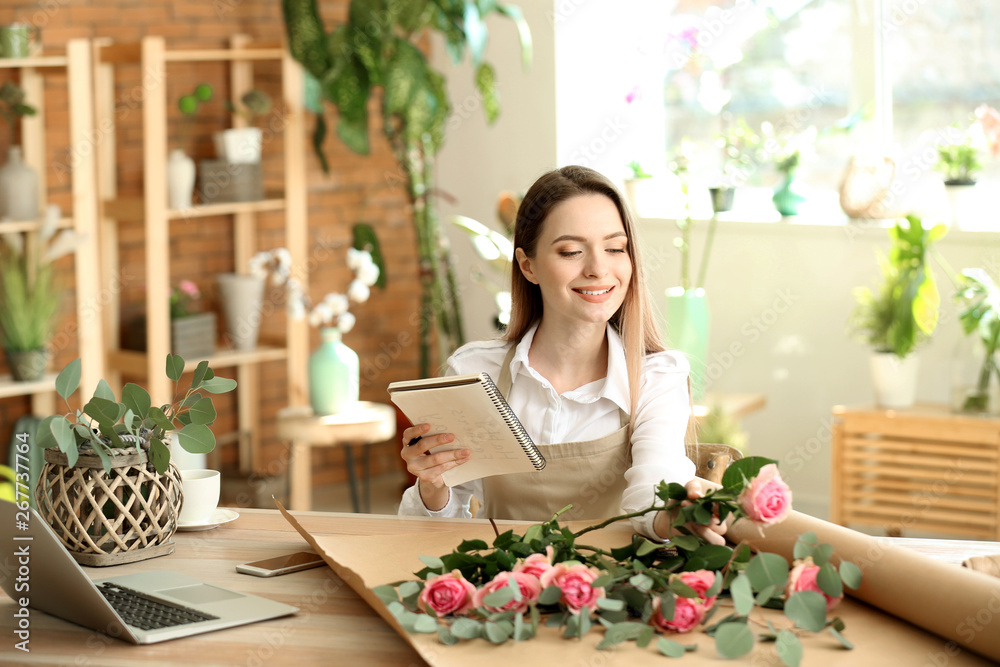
583, 367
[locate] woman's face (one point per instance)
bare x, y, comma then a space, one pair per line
581, 261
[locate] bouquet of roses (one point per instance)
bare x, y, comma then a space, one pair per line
635, 592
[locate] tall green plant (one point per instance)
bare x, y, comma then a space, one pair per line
904, 310
28, 301
377, 48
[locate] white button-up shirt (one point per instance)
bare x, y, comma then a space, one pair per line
587, 413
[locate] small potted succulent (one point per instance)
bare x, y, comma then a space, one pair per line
242, 145
108, 488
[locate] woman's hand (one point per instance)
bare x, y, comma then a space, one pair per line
427, 468
712, 533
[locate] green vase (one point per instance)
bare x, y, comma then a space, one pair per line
334, 374
687, 330
787, 198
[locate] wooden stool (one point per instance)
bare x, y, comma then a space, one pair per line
364, 423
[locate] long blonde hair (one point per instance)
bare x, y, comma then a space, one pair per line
634, 320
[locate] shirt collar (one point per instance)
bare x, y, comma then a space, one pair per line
615, 387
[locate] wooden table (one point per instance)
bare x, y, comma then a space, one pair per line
334, 625
365, 423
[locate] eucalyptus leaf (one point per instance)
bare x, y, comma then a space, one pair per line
175, 367
766, 594
767, 569
425, 624
160, 419
550, 595
432, 562
828, 581
159, 455
805, 546
670, 648
446, 636
647, 547
136, 399
467, 628
408, 588
498, 598
685, 542
822, 554
807, 609
200, 374
495, 633
610, 604
733, 640
68, 379
196, 438
202, 412
850, 574
742, 593
386, 594
218, 385
104, 392
840, 638
789, 648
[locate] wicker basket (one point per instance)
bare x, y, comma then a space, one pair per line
109, 519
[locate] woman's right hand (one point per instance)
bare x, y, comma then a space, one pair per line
427, 468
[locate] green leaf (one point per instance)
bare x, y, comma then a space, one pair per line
495, 633
159, 455
160, 419
218, 385
611, 604
829, 581
103, 391
486, 85
200, 373
850, 574
523, 31
196, 438
647, 547
714, 555
202, 412
45, 436
747, 467
765, 595
822, 554
641, 581
685, 542
102, 410
807, 609
550, 595
63, 435
68, 379
733, 640
409, 589
136, 399
475, 32
386, 594
670, 648
499, 597
425, 624
789, 648
467, 628
767, 569
432, 562
840, 638
446, 636
472, 545
805, 546
742, 594
668, 606
175, 367
621, 632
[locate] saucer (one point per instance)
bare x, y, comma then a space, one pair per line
219, 517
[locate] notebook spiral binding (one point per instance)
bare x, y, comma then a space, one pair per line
523, 439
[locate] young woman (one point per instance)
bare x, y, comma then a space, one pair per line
582, 365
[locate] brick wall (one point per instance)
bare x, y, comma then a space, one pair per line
359, 188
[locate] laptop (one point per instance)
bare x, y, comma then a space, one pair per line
142, 608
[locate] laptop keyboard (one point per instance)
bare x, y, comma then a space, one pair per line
147, 613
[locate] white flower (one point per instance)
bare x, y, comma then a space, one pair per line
337, 303
296, 309
368, 273
358, 291
346, 322
357, 258
320, 315
258, 264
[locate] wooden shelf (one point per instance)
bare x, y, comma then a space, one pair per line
131, 362
132, 209
12, 226
118, 54
9, 388
34, 61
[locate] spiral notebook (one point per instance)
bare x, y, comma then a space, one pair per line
473, 409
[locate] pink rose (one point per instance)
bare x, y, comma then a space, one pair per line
700, 581
527, 583
189, 288
447, 594
767, 499
574, 580
688, 613
803, 578
536, 564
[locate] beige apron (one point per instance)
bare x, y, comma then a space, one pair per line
589, 474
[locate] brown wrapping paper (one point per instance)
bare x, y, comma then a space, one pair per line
956, 603
986, 564
386, 551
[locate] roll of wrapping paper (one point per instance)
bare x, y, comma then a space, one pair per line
957, 603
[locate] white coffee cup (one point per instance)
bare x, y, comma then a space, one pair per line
201, 495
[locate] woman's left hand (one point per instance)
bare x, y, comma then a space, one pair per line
713, 533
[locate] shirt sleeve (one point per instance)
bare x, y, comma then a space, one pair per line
457, 506
659, 428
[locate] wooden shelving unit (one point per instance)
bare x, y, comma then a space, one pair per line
150, 210
75, 62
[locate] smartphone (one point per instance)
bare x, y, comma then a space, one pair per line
272, 567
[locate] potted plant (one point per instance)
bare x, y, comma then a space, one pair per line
638, 188
901, 314
242, 145
18, 181
108, 488
192, 335
741, 151
180, 166
959, 160
979, 297
379, 46
30, 295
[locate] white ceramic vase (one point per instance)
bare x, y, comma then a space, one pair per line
242, 299
239, 145
894, 379
180, 180
964, 205
18, 188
